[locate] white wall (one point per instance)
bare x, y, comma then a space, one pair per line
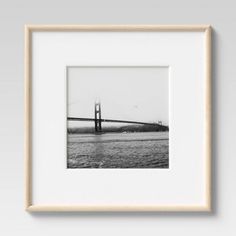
14, 14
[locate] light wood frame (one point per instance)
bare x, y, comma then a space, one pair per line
29, 29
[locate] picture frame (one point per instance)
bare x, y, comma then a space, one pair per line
37, 49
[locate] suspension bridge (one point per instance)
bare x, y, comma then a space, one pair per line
98, 120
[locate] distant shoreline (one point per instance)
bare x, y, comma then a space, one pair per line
122, 129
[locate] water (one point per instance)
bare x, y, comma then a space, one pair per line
118, 150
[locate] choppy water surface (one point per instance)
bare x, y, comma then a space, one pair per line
118, 150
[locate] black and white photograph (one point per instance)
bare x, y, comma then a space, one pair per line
117, 117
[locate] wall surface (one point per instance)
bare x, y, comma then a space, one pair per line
14, 14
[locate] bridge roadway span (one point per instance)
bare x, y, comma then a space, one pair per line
113, 121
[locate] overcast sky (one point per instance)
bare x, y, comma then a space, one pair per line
126, 93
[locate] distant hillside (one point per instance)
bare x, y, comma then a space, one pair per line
128, 128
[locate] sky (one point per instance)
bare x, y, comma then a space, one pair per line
125, 93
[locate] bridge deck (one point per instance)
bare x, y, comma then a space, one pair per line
113, 121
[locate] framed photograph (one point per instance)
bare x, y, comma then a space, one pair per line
118, 117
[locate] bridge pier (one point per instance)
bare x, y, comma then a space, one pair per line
98, 117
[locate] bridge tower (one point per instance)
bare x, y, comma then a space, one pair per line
98, 116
